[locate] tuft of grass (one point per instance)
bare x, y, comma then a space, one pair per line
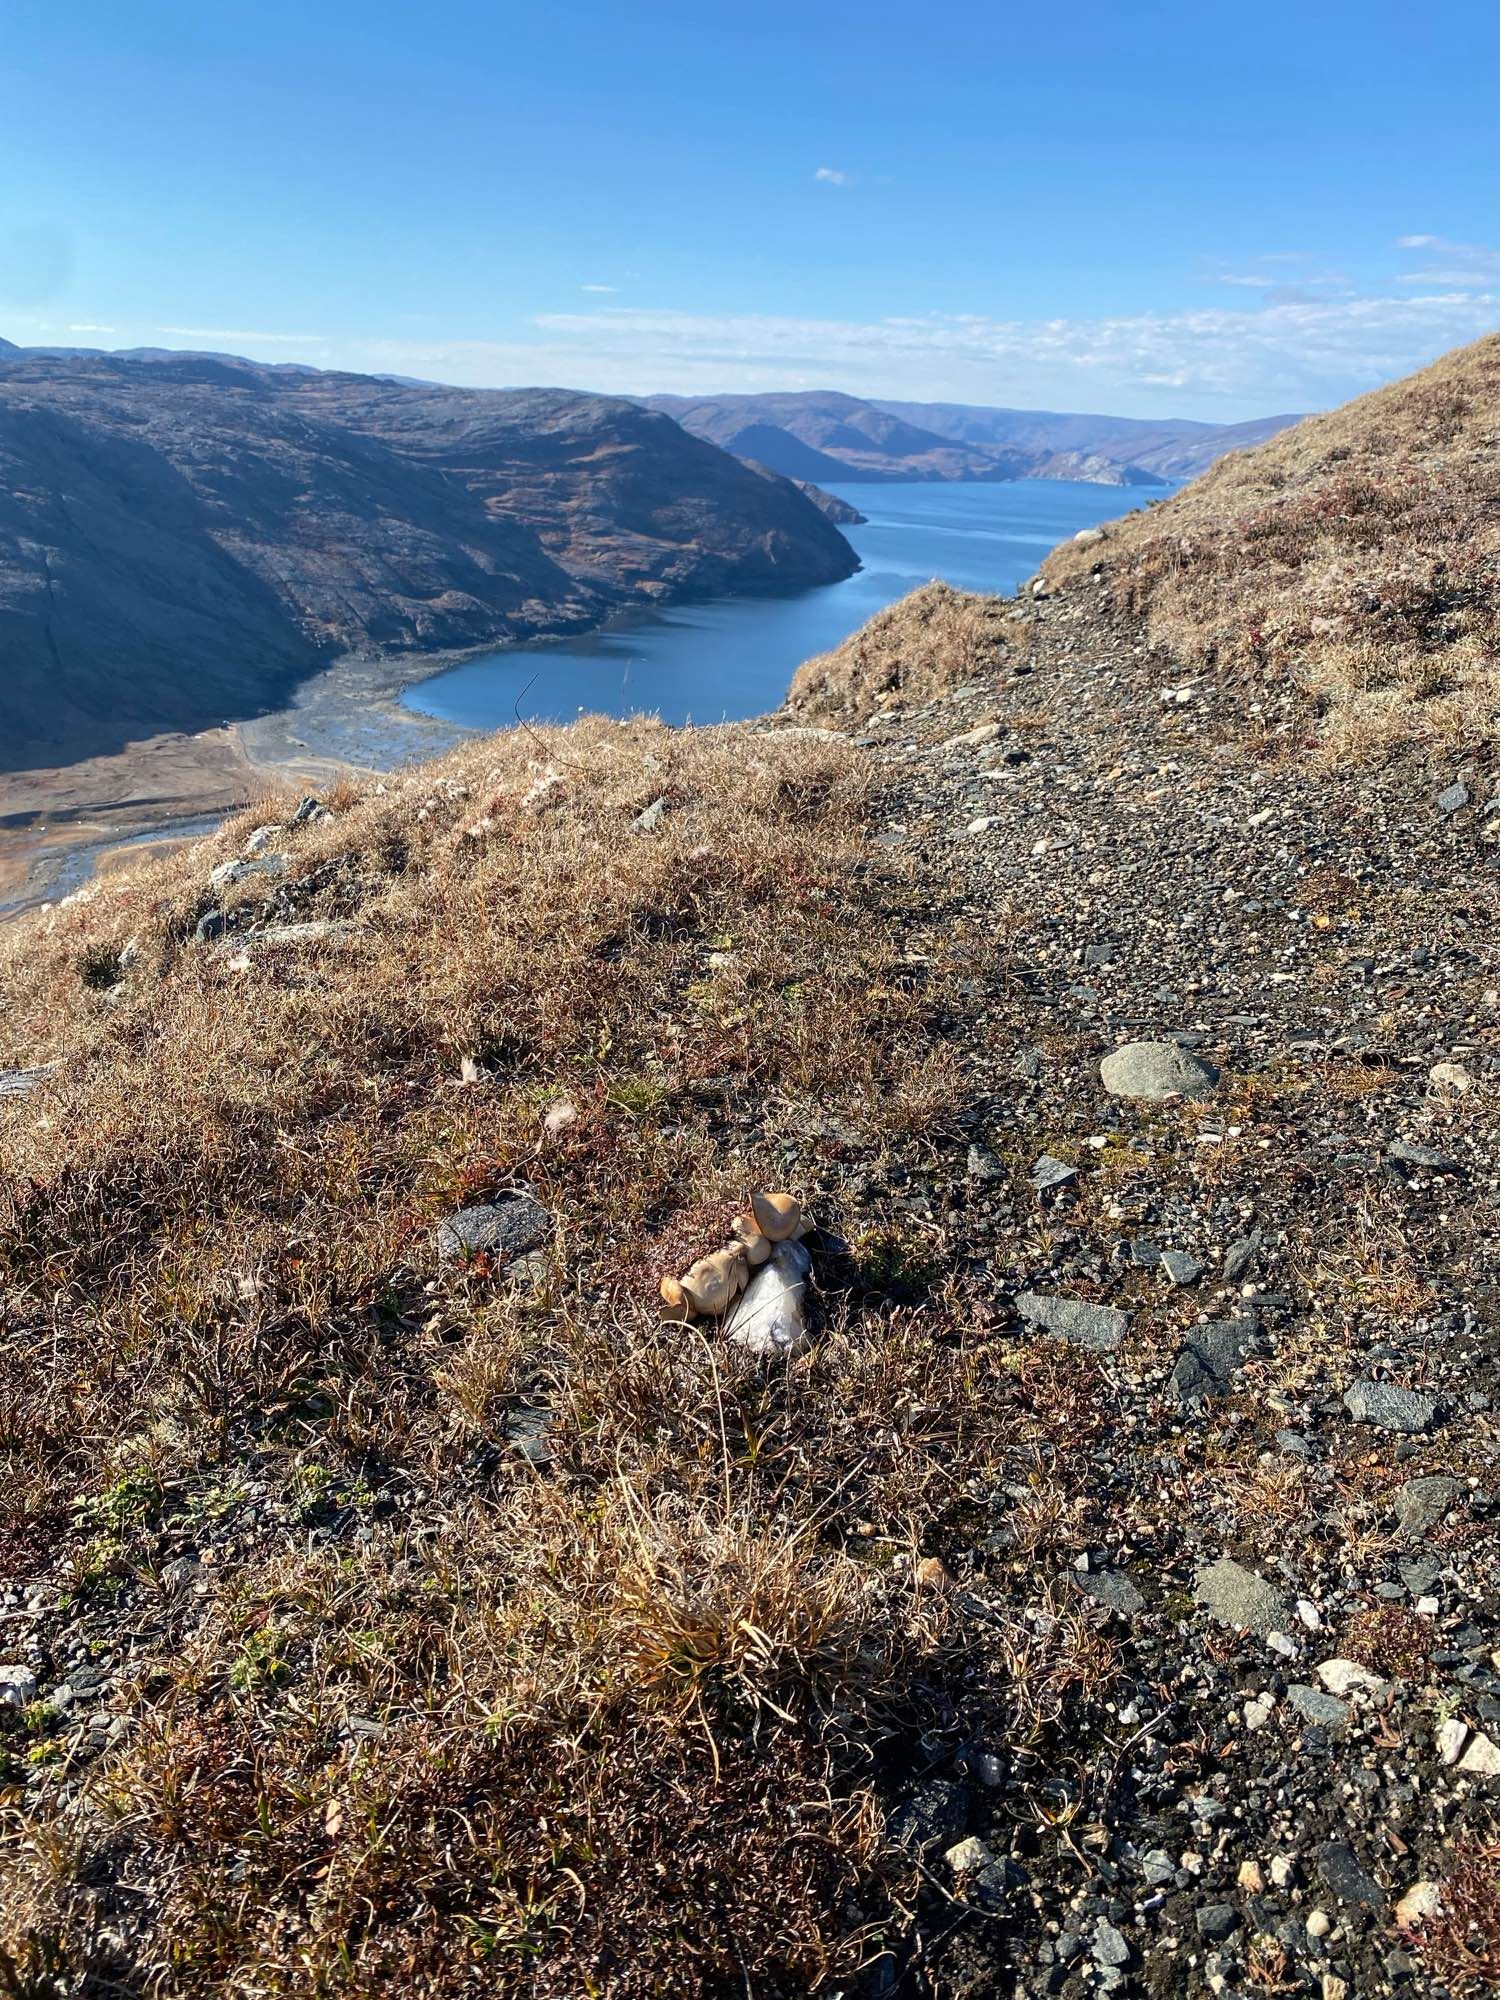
933, 640
1353, 560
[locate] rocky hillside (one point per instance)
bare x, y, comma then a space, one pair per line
823, 436
1354, 559
409, 1586
182, 537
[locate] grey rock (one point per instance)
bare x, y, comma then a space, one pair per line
1422, 1156
17, 1685
210, 925
1420, 1575
983, 1166
1453, 799
1110, 1947
1154, 1070
1158, 1867
21, 1082
270, 866
1050, 1173
1392, 1409
1210, 1359
310, 810
1098, 1328
1240, 1255
1292, 1444
1113, 1588
1217, 1920
1240, 1598
494, 1229
936, 1813
1345, 1877
317, 930
1422, 1503
651, 818
1314, 1706
1180, 1267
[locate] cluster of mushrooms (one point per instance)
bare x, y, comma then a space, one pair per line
713, 1284
760, 1279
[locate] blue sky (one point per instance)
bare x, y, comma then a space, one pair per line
1147, 209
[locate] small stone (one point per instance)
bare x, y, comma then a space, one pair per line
1112, 1587
1422, 1503
1450, 1739
1250, 1878
1323, 1710
1283, 1871
1421, 1901
1151, 1071
1259, 1710
966, 1857
986, 823
1481, 1759
1238, 1597
1428, 1157
1217, 1920
271, 866
1240, 1255
17, 1685
932, 1573
1211, 1358
1098, 1328
1453, 799
1389, 1407
1181, 1268
1110, 1947
310, 812
936, 1811
1346, 1677
650, 819
493, 1229
982, 1165
1450, 1076
1158, 1867
1050, 1173
210, 925
1344, 1874
1319, 1923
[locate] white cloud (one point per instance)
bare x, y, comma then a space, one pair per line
1450, 263
1297, 352
598, 288
239, 333
87, 326
835, 176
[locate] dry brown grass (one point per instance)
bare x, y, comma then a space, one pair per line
1355, 558
450, 1723
931, 641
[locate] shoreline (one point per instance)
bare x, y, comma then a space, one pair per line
62, 826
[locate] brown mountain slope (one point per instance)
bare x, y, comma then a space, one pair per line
1357, 556
181, 538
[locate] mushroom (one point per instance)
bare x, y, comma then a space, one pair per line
674, 1298
710, 1286
778, 1216
756, 1245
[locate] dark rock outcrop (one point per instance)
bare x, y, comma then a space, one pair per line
183, 537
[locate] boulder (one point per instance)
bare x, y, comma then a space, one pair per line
1388, 1407
1099, 1328
493, 1229
1240, 1597
1151, 1071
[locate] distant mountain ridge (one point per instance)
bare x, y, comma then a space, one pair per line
826, 436
182, 537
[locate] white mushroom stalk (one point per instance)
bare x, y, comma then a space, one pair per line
763, 1254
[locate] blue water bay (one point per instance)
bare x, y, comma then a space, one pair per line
724, 660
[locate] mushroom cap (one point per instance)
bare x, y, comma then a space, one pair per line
751, 1238
711, 1284
674, 1298
778, 1216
